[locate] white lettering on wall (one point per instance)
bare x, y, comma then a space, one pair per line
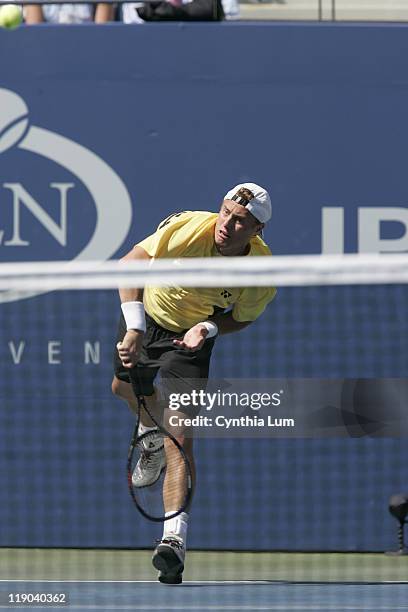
21, 197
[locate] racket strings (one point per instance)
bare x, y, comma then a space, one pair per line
177, 478
159, 473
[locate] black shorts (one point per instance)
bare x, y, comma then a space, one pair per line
180, 371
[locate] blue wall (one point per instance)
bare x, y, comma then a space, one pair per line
180, 113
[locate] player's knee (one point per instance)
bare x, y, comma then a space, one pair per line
184, 439
118, 388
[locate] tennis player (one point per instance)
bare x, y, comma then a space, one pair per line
171, 331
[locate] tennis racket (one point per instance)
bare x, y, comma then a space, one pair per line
159, 474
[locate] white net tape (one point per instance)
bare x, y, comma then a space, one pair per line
207, 272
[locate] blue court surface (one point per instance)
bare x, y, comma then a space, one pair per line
213, 596
118, 580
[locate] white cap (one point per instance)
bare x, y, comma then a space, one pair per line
260, 205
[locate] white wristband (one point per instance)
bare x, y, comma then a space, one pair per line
134, 314
211, 327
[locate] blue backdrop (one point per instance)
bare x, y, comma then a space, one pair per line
106, 130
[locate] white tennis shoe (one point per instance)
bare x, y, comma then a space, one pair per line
152, 461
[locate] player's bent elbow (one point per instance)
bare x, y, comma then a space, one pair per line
136, 253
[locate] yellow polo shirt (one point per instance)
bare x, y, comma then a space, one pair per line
191, 234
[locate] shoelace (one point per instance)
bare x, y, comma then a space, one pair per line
150, 458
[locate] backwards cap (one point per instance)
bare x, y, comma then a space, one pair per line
259, 205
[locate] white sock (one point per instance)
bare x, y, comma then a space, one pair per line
176, 526
150, 442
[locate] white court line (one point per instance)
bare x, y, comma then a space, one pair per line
137, 581
215, 582
215, 607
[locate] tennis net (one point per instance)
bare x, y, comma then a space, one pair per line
332, 345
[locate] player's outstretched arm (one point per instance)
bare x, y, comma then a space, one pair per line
195, 337
133, 294
133, 311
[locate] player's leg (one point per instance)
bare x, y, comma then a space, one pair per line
173, 489
182, 372
125, 392
169, 555
152, 460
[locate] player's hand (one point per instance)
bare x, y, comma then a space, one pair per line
193, 339
130, 347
